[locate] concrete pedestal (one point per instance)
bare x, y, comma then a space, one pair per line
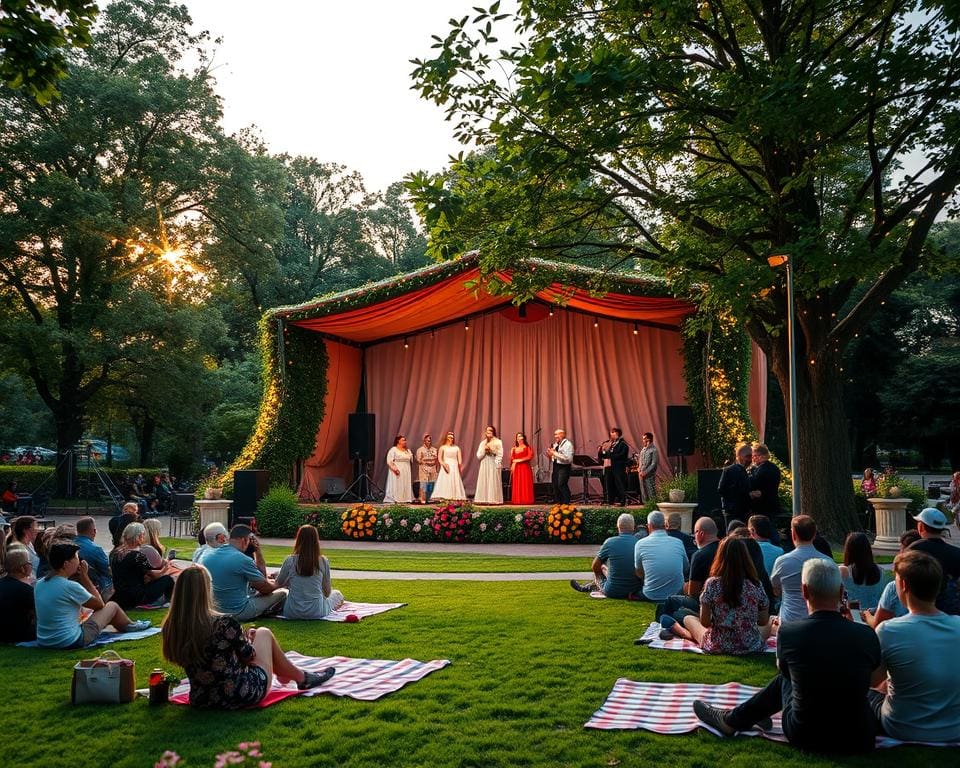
214, 511
890, 524
685, 510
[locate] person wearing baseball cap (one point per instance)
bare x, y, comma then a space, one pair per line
932, 526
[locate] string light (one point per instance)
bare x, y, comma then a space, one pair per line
551, 311
466, 324
596, 322
406, 344
636, 329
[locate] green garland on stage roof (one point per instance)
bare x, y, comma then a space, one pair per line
716, 367
292, 407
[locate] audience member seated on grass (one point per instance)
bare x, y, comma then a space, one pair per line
890, 606
233, 574
920, 674
214, 536
16, 598
135, 581
94, 556
932, 526
128, 514
786, 574
307, 574
66, 532
659, 561
673, 530
614, 566
705, 536
153, 548
25, 530
58, 601
228, 668
756, 557
733, 606
863, 581
760, 530
825, 666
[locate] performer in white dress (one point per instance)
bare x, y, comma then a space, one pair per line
449, 485
489, 485
399, 480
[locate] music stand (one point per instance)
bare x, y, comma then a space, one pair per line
586, 464
363, 483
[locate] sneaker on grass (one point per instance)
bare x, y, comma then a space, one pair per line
137, 626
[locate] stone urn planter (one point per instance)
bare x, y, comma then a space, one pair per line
891, 522
211, 494
676, 495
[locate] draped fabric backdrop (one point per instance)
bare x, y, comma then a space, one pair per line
538, 372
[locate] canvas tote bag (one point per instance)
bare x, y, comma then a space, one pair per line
107, 679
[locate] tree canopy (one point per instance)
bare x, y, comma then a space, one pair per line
697, 138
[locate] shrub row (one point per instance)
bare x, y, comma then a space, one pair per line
279, 515
30, 477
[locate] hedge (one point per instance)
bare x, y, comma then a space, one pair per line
29, 477
280, 518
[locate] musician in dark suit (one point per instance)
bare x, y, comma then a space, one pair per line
734, 486
764, 488
617, 451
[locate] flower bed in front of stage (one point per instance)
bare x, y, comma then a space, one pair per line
467, 523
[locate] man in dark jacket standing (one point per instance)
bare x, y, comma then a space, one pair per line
734, 486
765, 488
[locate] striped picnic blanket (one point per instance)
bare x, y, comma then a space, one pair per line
668, 708
651, 638
361, 679
107, 636
360, 610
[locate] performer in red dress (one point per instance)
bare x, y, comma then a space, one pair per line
521, 481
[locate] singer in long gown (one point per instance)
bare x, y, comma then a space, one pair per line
399, 462
449, 486
489, 485
521, 479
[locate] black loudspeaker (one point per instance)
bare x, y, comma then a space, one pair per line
361, 435
249, 486
708, 497
680, 430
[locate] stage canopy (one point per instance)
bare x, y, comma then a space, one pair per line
432, 351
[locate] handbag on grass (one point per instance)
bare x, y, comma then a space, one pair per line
107, 679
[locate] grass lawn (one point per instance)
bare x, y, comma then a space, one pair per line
419, 562
530, 664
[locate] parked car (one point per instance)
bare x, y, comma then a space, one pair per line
98, 449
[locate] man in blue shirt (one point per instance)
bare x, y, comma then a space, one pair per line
659, 561
786, 574
233, 574
613, 567
94, 556
761, 530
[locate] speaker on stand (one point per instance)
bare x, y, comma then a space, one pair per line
361, 442
680, 436
249, 486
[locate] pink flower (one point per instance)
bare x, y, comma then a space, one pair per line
483, 526
449, 534
403, 523
498, 527
416, 528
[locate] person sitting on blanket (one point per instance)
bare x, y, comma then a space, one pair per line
733, 606
919, 673
94, 555
613, 567
890, 605
673, 530
825, 666
233, 574
705, 536
214, 536
760, 531
19, 622
58, 602
785, 576
65, 532
863, 581
659, 561
135, 580
129, 513
756, 555
307, 573
228, 668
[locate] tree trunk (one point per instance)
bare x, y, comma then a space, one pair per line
147, 431
826, 492
69, 424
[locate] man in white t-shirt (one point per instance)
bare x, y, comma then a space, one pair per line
919, 674
787, 569
660, 561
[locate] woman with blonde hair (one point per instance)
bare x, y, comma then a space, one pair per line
227, 667
135, 581
307, 574
449, 485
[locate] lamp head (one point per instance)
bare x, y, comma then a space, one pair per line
778, 259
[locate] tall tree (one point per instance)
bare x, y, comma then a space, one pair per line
394, 231
91, 189
701, 136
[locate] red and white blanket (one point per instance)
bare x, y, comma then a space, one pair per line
668, 708
360, 610
362, 679
651, 638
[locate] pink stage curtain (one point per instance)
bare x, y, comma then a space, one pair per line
330, 457
558, 371
758, 390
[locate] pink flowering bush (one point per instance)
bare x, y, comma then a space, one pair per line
534, 524
452, 522
247, 753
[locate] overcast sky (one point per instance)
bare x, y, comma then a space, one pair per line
332, 80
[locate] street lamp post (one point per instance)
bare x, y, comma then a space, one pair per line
783, 260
